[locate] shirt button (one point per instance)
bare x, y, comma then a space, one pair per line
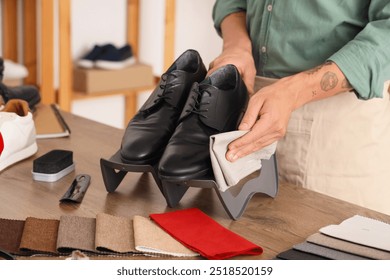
269, 8
263, 49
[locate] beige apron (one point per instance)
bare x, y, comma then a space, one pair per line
339, 146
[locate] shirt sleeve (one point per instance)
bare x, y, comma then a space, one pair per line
365, 60
223, 8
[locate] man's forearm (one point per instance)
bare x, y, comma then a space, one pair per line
320, 82
234, 32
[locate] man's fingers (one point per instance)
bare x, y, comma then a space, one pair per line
245, 150
253, 140
251, 114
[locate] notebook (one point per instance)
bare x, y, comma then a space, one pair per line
49, 122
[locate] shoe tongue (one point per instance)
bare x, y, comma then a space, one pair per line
18, 106
210, 107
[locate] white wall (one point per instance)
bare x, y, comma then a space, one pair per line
151, 33
195, 29
98, 22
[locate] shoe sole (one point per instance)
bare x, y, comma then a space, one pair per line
85, 63
19, 156
114, 65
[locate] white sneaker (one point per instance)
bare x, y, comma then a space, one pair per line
14, 71
17, 133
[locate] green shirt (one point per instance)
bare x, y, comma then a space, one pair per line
291, 36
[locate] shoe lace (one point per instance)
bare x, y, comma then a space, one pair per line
197, 105
166, 87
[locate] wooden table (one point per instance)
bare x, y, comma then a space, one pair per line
276, 224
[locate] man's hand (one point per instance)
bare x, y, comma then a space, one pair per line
240, 58
237, 49
270, 108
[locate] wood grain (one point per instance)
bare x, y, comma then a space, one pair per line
274, 224
30, 40
9, 29
47, 52
65, 46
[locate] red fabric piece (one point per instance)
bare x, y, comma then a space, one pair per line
1, 143
200, 233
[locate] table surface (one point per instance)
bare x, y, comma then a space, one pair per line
275, 224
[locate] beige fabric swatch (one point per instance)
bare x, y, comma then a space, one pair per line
114, 234
149, 238
346, 246
76, 233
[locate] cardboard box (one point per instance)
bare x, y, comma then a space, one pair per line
91, 81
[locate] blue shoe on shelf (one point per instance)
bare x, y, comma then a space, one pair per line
114, 58
88, 60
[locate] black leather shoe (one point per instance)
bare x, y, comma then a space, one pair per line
214, 106
149, 131
1, 69
28, 93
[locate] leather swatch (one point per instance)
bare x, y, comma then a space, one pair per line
349, 247
76, 233
40, 235
202, 234
363, 231
149, 238
326, 252
114, 234
292, 254
10, 235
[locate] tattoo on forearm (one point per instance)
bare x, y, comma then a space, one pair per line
329, 81
346, 84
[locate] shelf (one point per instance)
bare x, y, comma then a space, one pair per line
65, 93
45, 8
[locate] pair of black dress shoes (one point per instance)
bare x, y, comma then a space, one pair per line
173, 127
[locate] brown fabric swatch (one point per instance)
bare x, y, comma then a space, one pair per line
114, 234
149, 238
40, 235
76, 233
346, 246
10, 235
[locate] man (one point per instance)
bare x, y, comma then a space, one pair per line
329, 108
